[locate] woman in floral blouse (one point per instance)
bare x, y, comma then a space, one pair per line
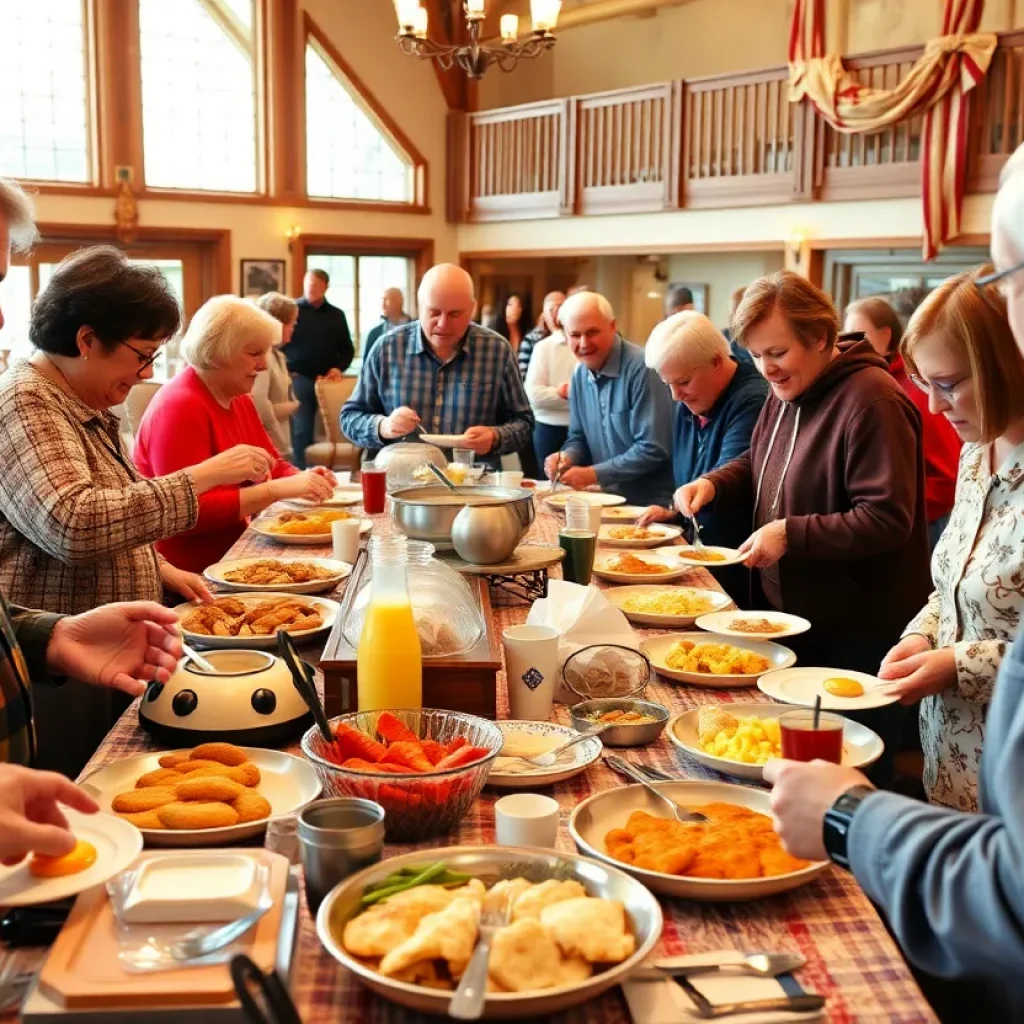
959, 348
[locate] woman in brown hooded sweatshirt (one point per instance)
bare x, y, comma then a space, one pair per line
835, 476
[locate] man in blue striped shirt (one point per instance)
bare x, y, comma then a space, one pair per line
620, 412
442, 373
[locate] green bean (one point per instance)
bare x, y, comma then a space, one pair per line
425, 876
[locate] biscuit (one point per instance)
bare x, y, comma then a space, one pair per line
225, 753
173, 760
247, 774
196, 815
158, 777
195, 763
251, 807
208, 787
144, 819
135, 801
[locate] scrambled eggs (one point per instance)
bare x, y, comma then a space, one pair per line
715, 659
671, 601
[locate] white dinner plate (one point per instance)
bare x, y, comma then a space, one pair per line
622, 513
861, 746
730, 556
619, 595
117, 842
444, 440
287, 782
328, 612
720, 622
657, 647
338, 570
520, 775
800, 686
344, 496
607, 558
301, 540
593, 819
558, 500
661, 535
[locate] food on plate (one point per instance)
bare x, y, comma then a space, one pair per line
627, 563
749, 740
306, 524
618, 513
82, 856
840, 686
272, 571
436, 876
702, 555
455, 471
620, 718
211, 786
518, 744
557, 934
631, 533
736, 843
756, 626
715, 659
670, 601
227, 616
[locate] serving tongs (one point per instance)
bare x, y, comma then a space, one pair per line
263, 997
303, 678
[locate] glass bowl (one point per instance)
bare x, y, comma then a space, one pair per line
603, 671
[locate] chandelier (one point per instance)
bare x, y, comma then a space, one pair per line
475, 57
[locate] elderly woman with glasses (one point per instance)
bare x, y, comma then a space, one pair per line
208, 409
960, 351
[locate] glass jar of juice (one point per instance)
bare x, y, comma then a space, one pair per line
805, 740
389, 661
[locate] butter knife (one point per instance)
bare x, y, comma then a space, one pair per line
806, 1003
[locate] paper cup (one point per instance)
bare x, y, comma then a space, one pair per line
510, 478
531, 666
594, 513
526, 819
345, 534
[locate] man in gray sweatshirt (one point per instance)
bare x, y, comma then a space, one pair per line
951, 884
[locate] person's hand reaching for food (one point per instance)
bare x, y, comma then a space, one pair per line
692, 497
244, 463
402, 422
655, 514
309, 484
554, 462
190, 585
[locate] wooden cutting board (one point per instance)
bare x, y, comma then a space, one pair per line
82, 970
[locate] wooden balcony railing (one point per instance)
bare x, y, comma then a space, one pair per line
724, 141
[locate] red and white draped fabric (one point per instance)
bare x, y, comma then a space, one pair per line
937, 86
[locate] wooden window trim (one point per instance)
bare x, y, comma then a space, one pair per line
419, 250
420, 204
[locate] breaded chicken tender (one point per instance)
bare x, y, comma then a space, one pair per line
524, 956
173, 760
223, 753
144, 819
209, 787
448, 935
159, 777
537, 897
593, 929
251, 806
136, 801
197, 815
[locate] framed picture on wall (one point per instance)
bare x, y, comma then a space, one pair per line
261, 276
698, 291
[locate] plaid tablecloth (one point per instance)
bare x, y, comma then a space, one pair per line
851, 958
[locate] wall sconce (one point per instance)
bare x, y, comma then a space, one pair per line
292, 234
796, 242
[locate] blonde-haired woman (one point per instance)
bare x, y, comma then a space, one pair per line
960, 351
207, 409
273, 395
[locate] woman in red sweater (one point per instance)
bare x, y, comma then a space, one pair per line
883, 329
206, 409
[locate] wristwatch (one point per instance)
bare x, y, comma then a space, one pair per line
836, 827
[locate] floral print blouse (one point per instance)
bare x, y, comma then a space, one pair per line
978, 572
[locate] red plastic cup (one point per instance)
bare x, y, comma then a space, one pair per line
374, 482
802, 742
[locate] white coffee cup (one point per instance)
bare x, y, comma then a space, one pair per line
345, 534
531, 663
526, 819
510, 478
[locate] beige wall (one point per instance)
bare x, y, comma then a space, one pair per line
707, 37
363, 31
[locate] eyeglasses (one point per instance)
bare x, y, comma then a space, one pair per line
948, 391
1000, 279
144, 361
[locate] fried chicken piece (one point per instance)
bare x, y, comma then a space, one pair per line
247, 774
537, 897
314, 620
505, 893
173, 760
386, 925
251, 806
136, 801
231, 606
196, 815
225, 753
426, 974
448, 935
195, 763
158, 777
143, 819
524, 956
209, 787
593, 929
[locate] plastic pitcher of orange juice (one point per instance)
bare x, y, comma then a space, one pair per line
389, 662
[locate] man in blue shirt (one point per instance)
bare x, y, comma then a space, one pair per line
719, 400
442, 373
951, 884
620, 433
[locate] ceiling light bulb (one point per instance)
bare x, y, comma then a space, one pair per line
544, 14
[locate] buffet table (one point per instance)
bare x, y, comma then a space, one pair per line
851, 958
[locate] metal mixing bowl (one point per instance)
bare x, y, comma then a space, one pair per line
428, 512
585, 715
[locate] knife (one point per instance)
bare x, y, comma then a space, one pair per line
806, 1003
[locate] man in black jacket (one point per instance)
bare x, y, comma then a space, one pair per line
320, 347
392, 314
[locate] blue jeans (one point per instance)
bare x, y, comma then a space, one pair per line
304, 418
935, 531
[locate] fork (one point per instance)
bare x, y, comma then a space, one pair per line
202, 942
698, 544
623, 767
549, 757
468, 1001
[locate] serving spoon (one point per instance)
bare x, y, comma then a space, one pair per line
197, 659
623, 767
443, 477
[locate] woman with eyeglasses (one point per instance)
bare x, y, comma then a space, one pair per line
77, 520
960, 350
881, 326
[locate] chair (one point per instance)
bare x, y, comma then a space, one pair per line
137, 402
337, 452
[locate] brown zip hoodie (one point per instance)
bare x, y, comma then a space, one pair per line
852, 496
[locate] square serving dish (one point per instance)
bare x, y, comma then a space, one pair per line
194, 886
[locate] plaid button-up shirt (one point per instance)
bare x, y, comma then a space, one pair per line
479, 386
24, 637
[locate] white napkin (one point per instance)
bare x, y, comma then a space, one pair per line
583, 616
664, 1002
